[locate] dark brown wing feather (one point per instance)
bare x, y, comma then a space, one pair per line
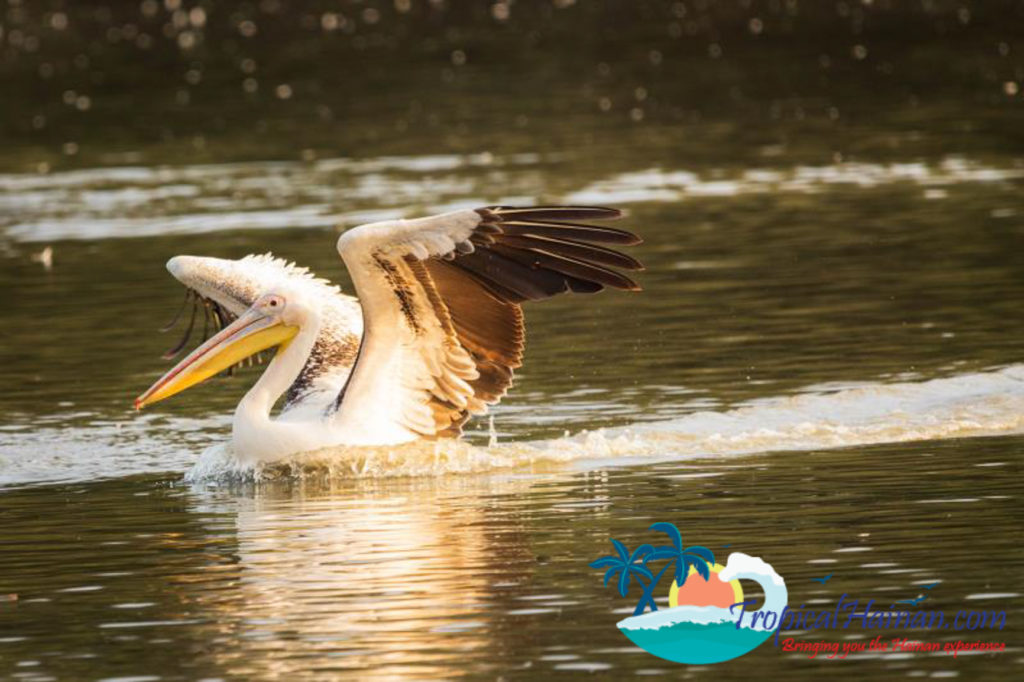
519, 254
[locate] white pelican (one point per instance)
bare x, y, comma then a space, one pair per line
433, 338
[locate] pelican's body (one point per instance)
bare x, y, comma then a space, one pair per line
434, 336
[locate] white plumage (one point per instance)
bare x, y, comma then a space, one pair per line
434, 336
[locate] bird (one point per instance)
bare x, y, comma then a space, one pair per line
931, 585
917, 600
433, 337
44, 258
822, 580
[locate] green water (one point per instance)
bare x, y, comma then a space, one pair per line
824, 368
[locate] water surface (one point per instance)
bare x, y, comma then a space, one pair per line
824, 368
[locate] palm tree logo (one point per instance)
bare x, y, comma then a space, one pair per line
633, 566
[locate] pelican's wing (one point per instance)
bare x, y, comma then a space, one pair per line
443, 329
226, 288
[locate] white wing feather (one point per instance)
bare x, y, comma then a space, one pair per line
406, 355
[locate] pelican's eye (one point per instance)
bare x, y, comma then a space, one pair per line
275, 302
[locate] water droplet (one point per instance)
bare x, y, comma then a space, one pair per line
186, 40
500, 11
331, 21
197, 17
58, 21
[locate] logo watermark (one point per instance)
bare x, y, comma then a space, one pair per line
710, 621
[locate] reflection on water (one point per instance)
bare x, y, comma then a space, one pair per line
390, 580
487, 575
148, 202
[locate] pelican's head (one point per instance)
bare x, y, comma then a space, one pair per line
272, 321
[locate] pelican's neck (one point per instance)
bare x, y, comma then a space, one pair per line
280, 374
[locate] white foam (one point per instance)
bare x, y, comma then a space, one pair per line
83, 447
987, 403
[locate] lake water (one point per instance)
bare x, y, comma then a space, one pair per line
824, 368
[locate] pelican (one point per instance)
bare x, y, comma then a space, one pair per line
433, 338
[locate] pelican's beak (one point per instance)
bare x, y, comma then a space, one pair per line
248, 335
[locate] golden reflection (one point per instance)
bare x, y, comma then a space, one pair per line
388, 578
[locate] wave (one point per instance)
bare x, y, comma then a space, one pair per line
979, 404
82, 447
137, 201
666, 618
661, 185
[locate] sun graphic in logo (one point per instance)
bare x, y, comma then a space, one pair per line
711, 592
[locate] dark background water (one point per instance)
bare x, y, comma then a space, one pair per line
709, 82
830, 195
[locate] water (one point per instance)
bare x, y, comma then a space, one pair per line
824, 368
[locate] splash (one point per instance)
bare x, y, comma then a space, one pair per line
988, 403
82, 447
